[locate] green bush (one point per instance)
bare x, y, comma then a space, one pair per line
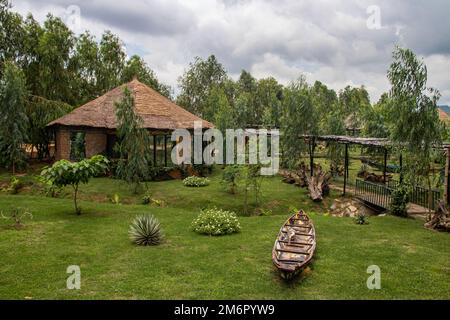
146, 199
361, 219
14, 186
115, 199
230, 178
196, 182
145, 230
216, 222
400, 201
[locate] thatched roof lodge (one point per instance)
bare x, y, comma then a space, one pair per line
92, 127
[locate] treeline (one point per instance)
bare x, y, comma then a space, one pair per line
296, 109
54, 71
46, 70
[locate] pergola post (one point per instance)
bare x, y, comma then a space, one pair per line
312, 144
165, 151
447, 180
385, 165
345, 169
348, 165
154, 151
401, 168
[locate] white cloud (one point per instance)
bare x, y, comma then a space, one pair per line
326, 40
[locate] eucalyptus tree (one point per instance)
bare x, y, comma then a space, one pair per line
112, 62
31, 63
220, 110
87, 67
354, 103
197, 82
13, 119
376, 119
11, 33
326, 103
55, 50
268, 100
137, 67
416, 128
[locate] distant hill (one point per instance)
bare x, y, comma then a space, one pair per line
445, 108
444, 113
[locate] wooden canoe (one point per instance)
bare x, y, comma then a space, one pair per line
295, 245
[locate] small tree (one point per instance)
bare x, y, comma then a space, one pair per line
230, 178
13, 119
134, 144
416, 128
251, 181
64, 173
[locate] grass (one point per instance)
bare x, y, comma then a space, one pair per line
414, 262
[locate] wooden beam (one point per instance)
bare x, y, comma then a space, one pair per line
312, 144
447, 180
401, 168
345, 169
154, 151
165, 151
385, 165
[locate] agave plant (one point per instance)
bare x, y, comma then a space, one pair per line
145, 230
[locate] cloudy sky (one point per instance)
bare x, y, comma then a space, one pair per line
340, 42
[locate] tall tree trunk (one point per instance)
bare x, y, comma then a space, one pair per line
430, 194
75, 194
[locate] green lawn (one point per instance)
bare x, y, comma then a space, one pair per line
414, 262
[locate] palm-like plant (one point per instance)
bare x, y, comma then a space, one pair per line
145, 230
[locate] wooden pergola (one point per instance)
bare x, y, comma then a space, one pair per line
380, 143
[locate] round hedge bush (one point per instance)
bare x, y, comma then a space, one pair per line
216, 222
195, 182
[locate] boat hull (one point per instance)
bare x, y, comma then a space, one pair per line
295, 245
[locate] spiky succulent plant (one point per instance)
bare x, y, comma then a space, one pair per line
145, 230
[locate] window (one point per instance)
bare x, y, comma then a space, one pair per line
77, 146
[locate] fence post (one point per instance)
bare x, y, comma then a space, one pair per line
345, 169
385, 165
312, 146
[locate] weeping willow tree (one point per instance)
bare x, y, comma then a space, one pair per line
335, 125
416, 128
134, 144
299, 118
41, 112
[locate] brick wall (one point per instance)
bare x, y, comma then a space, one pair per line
62, 144
95, 143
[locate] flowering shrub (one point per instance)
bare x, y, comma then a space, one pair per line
216, 222
196, 182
